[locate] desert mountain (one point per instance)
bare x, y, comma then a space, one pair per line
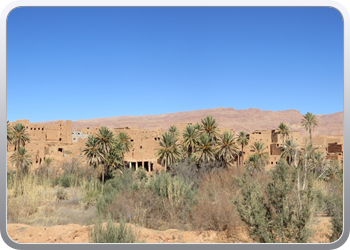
247, 119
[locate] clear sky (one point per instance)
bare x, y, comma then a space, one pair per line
83, 63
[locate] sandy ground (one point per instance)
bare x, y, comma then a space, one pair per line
74, 233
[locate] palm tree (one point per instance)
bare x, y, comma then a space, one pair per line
174, 131
309, 122
306, 154
47, 165
228, 149
190, 138
319, 164
205, 150
21, 160
20, 135
125, 140
104, 139
260, 158
198, 127
115, 156
242, 140
253, 164
93, 152
9, 134
290, 152
210, 127
283, 130
169, 152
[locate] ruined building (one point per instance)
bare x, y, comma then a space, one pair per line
59, 142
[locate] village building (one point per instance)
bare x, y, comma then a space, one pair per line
59, 142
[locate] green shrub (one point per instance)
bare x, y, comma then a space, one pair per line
90, 198
335, 210
272, 212
67, 180
141, 174
127, 182
61, 194
112, 233
177, 196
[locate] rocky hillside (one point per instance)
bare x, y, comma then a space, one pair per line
246, 119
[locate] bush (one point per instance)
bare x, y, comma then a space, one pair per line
67, 180
177, 197
90, 198
141, 174
187, 170
127, 182
214, 209
271, 211
142, 207
112, 233
335, 210
61, 194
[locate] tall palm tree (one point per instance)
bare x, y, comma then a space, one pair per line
21, 160
20, 135
190, 138
242, 140
261, 157
210, 127
168, 152
205, 150
309, 122
228, 149
283, 130
105, 140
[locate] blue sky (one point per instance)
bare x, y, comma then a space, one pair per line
83, 63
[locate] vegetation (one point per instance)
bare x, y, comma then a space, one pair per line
258, 160
169, 151
201, 188
309, 122
243, 141
112, 233
283, 130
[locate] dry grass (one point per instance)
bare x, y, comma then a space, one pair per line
214, 209
38, 204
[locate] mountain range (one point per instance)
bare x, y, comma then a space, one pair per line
246, 119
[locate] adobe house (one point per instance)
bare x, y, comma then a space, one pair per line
58, 141
46, 140
273, 141
335, 151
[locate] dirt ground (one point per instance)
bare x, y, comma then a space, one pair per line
74, 233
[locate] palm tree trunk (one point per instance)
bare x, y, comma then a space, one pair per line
103, 177
305, 163
242, 156
16, 181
